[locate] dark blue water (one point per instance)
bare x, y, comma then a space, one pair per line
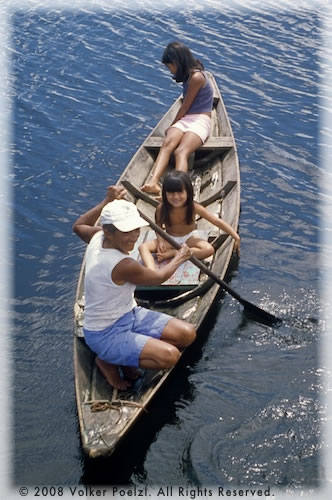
244, 407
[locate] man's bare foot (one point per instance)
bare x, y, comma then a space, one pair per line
112, 375
152, 188
131, 373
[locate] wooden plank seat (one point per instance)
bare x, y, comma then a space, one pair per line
220, 143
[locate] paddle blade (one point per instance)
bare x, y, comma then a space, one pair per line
259, 314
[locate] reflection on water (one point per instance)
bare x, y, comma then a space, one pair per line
243, 408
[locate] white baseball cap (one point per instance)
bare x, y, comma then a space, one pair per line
123, 215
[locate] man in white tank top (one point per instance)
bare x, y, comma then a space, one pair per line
115, 328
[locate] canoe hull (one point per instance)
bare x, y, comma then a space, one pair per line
216, 178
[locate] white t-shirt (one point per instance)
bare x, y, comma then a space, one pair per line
105, 302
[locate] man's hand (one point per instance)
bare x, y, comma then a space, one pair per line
115, 193
85, 226
183, 254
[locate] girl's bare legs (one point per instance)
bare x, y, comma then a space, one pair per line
149, 247
169, 253
146, 250
201, 248
171, 141
189, 143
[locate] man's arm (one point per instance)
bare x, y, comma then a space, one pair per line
84, 226
130, 270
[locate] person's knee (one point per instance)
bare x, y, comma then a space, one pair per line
180, 333
205, 249
181, 152
209, 250
170, 357
168, 144
188, 334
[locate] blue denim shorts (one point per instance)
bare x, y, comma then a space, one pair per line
123, 341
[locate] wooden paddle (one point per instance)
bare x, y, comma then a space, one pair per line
259, 313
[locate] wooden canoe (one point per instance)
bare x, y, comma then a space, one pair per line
106, 416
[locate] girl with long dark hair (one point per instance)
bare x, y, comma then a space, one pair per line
176, 214
191, 125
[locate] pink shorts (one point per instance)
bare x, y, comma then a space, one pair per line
199, 124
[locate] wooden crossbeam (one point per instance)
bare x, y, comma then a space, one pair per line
218, 143
139, 194
221, 143
221, 193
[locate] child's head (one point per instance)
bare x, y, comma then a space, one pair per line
177, 53
177, 182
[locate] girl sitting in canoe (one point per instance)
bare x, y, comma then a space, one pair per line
176, 214
191, 126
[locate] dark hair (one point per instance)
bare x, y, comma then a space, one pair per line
174, 183
178, 54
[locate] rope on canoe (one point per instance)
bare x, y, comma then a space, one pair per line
115, 404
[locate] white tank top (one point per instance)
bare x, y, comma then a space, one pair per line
105, 302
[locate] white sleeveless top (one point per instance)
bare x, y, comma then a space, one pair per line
105, 302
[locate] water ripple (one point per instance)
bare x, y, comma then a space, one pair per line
88, 86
